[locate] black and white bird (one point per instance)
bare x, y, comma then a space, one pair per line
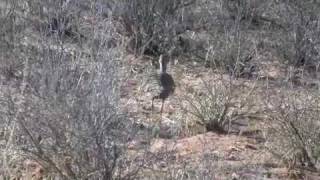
166, 82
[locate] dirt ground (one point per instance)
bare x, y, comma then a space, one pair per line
237, 155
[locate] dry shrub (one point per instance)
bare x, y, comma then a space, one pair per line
151, 25
220, 105
234, 56
293, 129
64, 113
231, 41
206, 168
299, 37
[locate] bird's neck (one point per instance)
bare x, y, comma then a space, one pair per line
163, 67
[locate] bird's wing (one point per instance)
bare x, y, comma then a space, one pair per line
167, 81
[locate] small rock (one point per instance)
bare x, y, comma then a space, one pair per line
132, 144
233, 148
232, 157
34, 169
169, 128
216, 153
235, 176
251, 146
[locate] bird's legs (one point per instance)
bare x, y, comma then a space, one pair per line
162, 106
161, 111
155, 97
152, 104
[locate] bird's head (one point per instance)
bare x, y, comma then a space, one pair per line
161, 59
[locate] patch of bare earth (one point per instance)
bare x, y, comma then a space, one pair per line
229, 155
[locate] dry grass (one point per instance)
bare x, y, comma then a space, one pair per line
220, 104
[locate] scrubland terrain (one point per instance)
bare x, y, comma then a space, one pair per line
77, 78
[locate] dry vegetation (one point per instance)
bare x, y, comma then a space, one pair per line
77, 78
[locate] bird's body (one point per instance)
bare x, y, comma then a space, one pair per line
166, 82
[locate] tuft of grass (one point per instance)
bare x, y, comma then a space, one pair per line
218, 106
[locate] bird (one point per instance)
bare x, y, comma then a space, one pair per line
166, 82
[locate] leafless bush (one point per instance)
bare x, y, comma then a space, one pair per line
219, 106
231, 42
64, 112
58, 18
166, 165
234, 55
205, 169
293, 129
10, 33
152, 25
299, 42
